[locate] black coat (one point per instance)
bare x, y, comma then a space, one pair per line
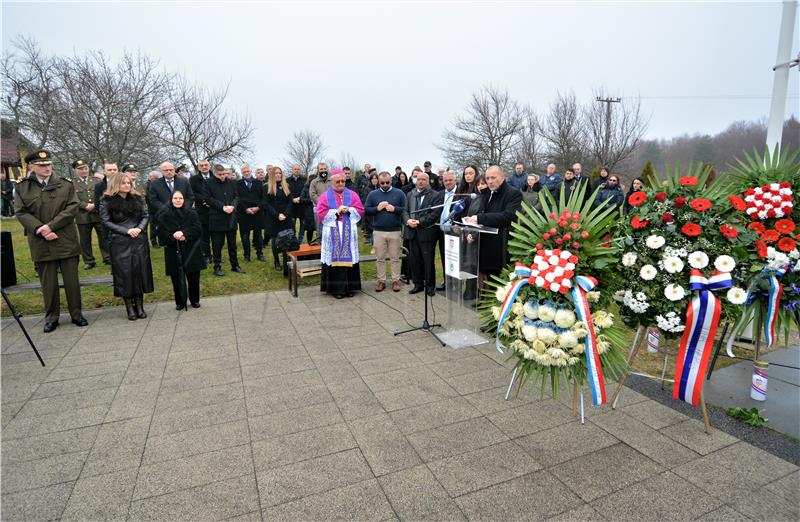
609, 197
130, 257
161, 196
221, 193
200, 191
427, 229
308, 217
296, 187
99, 188
277, 204
170, 221
255, 196
498, 211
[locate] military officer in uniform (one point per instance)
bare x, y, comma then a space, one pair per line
46, 206
88, 218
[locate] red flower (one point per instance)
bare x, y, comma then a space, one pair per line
701, 204
688, 181
786, 244
770, 235
573, 259
785, 184
784, 226
562, 223
729, 231
639, 224
546, 236
757, 227
691, 229
761, 249
737, 203
576, 246
749, 192
567, 237
552, 215
575, 226
637, 198
667, 217
771, 213
661, 196
584, 234
680, 202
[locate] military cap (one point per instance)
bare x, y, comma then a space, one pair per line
130, 167
180, 168
40, 157
79, 163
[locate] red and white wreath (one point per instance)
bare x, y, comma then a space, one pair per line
769, 201
553, 270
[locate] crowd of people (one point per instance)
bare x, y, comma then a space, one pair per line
191, 217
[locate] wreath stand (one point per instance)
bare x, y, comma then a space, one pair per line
575, 395
632, 354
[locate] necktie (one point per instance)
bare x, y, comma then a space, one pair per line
490, 197
247, 182
169, 184
448, 199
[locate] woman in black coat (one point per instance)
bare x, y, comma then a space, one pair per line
636, 185
610, 194
309, 220
179, 228
124, 215
278, 212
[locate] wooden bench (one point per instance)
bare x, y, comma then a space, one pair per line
106, 280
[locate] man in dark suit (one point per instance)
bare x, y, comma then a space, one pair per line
160, 191
199, 183
296, 184
421, 232
250, 212
150, 179
222, 200
499, 210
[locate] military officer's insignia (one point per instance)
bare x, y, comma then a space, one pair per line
42, 154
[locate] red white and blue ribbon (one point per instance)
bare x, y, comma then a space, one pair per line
597, 385
773, 302
523, 272
702, 319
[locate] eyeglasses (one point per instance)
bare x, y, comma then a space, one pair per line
339, 182
384, 183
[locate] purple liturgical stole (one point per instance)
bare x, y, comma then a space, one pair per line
341, 254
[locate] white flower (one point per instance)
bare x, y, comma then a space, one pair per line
655, 242
619, 296
529, 332
539, 346
648, 272
724, 263
674, 292
640, 296
603, 319
546, 335
794, 254
496, 313
579, 329
736, 295
593, 297
565, 318
516, 309
531, 310
547, 313
673, 265
670, 322
629, 259
698, 259
567, 340
501, 292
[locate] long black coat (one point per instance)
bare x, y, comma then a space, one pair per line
427, 229
170, 221
296, 187
221, 193
200, 191
279, 203
308, 217
255, 196
160, 195
130, 257
498, 213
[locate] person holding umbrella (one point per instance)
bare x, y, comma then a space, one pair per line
180, 233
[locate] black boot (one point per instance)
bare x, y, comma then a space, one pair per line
130, 308
139, 306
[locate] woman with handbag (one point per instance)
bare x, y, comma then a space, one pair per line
278, 213
124, 215
179, 232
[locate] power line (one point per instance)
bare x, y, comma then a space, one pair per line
707, 97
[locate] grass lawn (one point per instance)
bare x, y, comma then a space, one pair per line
258, 277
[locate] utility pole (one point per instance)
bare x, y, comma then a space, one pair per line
781, 78
607, 144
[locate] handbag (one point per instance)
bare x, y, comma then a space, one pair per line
286, 241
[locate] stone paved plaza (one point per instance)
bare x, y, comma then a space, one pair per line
266, 407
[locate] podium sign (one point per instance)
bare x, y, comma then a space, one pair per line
462, 266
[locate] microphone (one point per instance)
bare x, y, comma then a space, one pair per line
457, 207
471, 197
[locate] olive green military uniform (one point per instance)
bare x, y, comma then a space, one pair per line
88, 220
54, 204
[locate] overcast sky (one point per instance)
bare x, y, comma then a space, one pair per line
382, 80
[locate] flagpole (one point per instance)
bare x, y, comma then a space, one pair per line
784, 63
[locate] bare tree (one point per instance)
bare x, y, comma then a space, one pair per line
304, 148
613, 129
198, 126
563, 131
530, 151
488, 134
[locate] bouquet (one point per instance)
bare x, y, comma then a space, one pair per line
677, 240
549, 309
764, 196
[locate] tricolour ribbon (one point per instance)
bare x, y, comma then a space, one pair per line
597, 385
702, 319
773, 302
582, 285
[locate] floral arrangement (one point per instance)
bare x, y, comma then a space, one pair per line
676, 238
540, 308
764, 197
